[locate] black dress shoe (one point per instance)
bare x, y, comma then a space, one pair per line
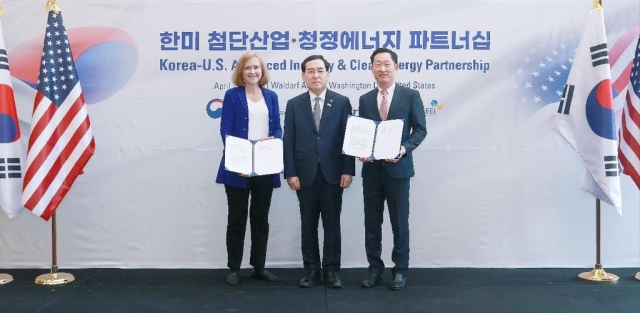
233, 278
398, 282
371, 280
313, 275
264, 275
332, 280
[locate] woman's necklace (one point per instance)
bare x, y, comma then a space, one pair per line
253, 98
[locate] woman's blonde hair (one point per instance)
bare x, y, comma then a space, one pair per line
236, 77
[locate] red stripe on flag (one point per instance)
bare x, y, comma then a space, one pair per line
634, 115
53, 140
623, 79
628, 138
41, 124
621, 45
631, 115
39, 97
57, 165
629, 169
68, 181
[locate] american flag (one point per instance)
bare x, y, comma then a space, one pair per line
61, 141
629, 149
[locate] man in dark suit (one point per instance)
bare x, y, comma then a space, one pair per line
316, 169
389, 179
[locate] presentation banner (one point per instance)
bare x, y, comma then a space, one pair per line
495, 186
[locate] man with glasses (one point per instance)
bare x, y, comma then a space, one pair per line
390, 179
316, 169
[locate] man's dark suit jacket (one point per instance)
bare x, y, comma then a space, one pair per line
405, 104
305, 147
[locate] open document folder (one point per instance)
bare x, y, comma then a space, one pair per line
253, 157
372, 139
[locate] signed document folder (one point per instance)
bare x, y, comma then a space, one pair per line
372, 139
253, 157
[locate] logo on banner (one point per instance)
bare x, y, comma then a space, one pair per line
106, 59
214, 108
435, 106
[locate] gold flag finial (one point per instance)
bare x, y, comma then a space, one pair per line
51, 6
0, 9
596, 5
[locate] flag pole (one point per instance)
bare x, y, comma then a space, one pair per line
55, 277
598, 274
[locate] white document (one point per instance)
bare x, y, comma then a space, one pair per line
388, 139
372, 139
358, 137
267, 157
253, 158
238, 155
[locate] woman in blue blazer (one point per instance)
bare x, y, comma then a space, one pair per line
249, 111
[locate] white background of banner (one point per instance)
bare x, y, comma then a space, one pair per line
488, 192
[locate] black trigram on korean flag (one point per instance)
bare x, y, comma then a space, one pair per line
10, 168
599, 54
4, 62
567, 97
611, 165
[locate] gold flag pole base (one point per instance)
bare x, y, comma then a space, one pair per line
54, 278
5, 279
598, 275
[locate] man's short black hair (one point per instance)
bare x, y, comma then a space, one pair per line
394, 56
314, 57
